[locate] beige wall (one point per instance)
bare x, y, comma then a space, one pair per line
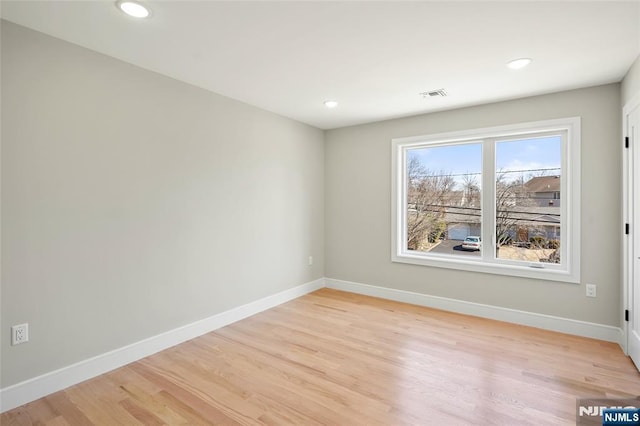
358, 207
631, 82
133, 203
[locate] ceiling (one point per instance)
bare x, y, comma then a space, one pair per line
374, 58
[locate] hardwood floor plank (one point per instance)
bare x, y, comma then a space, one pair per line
273, 376
99, 407
339, 358
71, 413
57, 421
206, 406
149, 400
16, 417
189, 413
144, 416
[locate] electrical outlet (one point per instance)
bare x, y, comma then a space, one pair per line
19, 334
591, 290
310, 260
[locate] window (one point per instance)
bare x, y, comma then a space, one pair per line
501, 200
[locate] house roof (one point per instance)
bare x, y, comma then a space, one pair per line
543, 184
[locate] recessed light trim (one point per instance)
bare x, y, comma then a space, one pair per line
134, 8
519, 63
331, 103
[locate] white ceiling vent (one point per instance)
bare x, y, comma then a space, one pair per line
432, 93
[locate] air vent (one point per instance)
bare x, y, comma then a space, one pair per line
439, 92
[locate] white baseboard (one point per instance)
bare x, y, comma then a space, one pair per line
622, 341
547, 322
37, 387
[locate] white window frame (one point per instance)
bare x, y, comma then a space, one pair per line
567, 271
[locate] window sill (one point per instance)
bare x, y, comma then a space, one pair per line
539, 271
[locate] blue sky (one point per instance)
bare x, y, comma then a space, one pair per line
527, 154
517, 155
456, 159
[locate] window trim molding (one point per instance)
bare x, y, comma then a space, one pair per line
571, 208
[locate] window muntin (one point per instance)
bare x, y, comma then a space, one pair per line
502, 149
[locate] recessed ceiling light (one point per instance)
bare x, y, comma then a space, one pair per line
331, 104
133, 8
519, 63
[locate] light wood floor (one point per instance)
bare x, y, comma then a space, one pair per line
337, 358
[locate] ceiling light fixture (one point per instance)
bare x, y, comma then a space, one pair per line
133, 8
331, 104
519, 63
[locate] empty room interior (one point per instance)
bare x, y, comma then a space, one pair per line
369, 213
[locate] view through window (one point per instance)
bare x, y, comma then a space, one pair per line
528, 199
444, 198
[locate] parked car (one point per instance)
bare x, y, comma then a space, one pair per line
472, 243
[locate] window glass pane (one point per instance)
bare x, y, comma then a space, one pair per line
528, 199
444, 199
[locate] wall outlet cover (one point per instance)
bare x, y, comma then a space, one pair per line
19, 334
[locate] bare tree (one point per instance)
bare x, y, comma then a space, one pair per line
507, 197
429, 194
471, 191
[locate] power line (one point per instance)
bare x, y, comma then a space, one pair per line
479, 209
480, 173
515, 219
508, 196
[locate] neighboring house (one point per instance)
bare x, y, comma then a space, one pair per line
527, 222
543, 190
534, 222
461, 225
536, 212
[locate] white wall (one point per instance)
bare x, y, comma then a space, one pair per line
631, 82
358, 207
133, 203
